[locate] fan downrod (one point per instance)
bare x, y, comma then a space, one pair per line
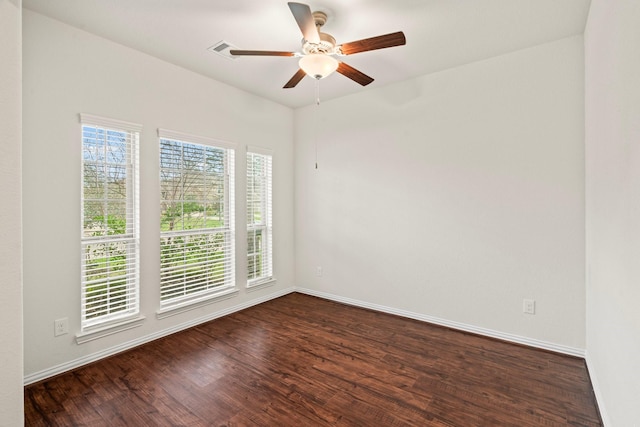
327, 42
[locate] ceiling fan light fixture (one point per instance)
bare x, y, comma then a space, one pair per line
318, 48
318, 65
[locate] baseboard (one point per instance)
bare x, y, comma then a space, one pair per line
571, 351
73, 364
93, 357
595, 385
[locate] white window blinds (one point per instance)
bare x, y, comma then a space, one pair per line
110, 221
259, 213
197, 218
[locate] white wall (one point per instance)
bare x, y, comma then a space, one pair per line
11, 400
67, 72
454, 195
612, 46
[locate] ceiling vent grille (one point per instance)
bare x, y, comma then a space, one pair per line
223, 48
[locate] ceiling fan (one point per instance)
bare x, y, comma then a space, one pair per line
318, 49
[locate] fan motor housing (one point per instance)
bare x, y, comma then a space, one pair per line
327, 41
327, 45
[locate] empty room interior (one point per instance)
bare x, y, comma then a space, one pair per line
465, 177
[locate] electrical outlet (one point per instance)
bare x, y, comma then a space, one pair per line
60, 327
529, 306
319, 271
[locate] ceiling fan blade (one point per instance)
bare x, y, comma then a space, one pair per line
237, 52
304, 18
299, 75
353, 74
374, 43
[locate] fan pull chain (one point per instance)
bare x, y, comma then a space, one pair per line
317, 113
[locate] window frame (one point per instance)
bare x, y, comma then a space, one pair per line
205, 293
130, 239
265, 225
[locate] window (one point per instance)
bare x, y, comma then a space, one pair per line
197, 218
259, 225
110, 236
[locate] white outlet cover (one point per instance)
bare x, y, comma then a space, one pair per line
60, 327
529, 306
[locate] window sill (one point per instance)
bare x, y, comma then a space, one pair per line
99, 331
261, 284
195, 303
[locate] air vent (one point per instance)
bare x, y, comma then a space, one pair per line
222, 48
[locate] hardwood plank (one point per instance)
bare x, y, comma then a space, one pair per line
300, 360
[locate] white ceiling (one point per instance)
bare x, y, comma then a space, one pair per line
440, 34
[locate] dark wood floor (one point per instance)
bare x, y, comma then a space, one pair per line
304, 361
